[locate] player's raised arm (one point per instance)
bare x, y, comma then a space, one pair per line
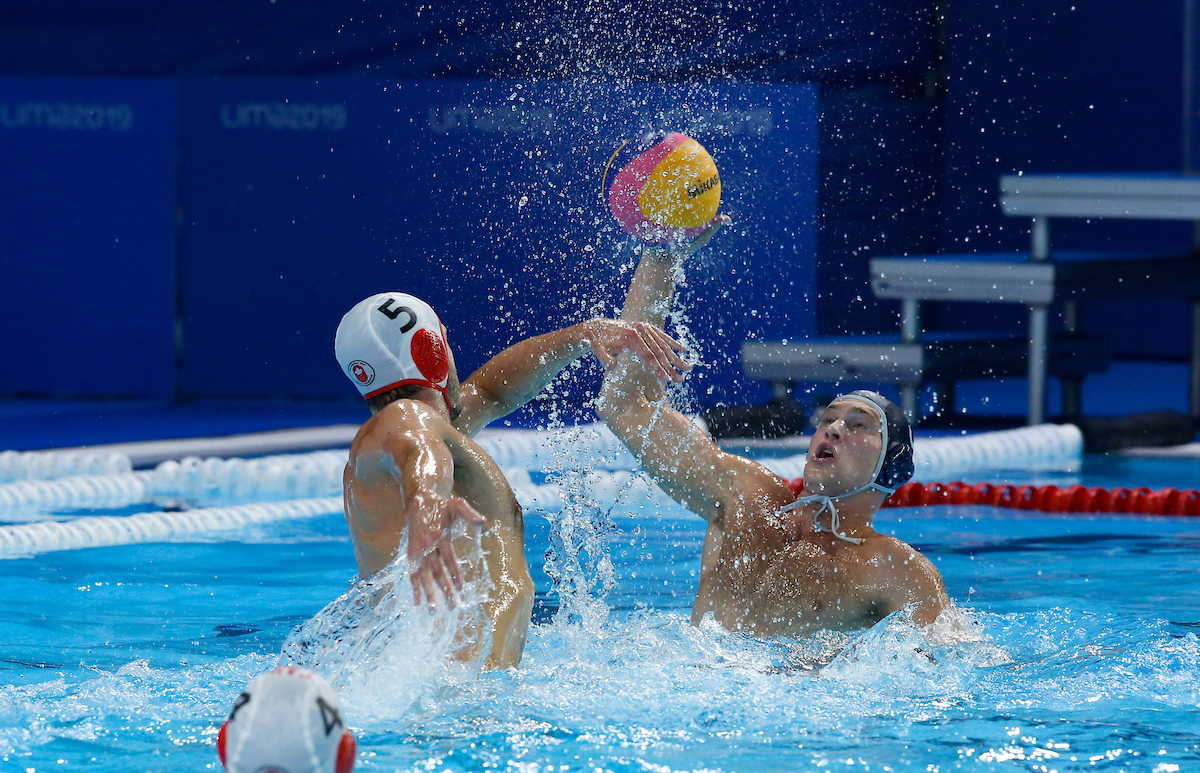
516, 375
680, 455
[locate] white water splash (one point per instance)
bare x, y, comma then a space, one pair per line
382, 653
578, 560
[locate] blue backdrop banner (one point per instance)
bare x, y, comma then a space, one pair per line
300, 198
87, 236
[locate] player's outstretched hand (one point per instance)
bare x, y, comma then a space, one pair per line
707, 234
688, 248
431, 552
659, 351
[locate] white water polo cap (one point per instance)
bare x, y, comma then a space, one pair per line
287, 721
390, 340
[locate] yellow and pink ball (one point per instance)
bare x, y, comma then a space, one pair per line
662, 188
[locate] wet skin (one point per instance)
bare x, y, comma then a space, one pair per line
409, 440
413, 470
764, 572
770, 573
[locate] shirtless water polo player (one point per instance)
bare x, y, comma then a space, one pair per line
775, 564
414, 466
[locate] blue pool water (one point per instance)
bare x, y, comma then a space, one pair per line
1075, 649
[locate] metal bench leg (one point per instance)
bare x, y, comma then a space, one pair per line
1038, 317
1040, 238
908, 401
1072, 386
910, 332
1039, 234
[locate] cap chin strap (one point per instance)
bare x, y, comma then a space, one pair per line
827, 502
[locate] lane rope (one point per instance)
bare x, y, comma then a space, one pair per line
194, 482
232, 493
49, 465
1068, 500
26, 540
1050, 498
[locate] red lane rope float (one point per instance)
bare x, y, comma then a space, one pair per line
1048, 499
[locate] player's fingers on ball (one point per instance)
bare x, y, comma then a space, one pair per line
416, 585
713, 226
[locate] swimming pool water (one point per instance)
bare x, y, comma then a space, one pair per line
1076, 650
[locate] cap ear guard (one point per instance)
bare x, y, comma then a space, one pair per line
895, 467
428, 351
221, 743
898, 465
347, 749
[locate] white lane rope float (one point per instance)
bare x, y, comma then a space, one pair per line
275, 482
158, 526
49, 465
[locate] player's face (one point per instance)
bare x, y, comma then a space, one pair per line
845, 448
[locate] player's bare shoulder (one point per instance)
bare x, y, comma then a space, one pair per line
906, 576
397, 424
755, 496
895, 557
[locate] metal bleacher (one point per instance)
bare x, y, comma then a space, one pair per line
1034, 279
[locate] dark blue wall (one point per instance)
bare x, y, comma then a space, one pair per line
298, 197
1044, 86
1059, 86
826, 41
302, 197
87, 236
837, 45
924, 105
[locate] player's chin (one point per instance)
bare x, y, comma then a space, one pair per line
817, 471
830, 484
816, 484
